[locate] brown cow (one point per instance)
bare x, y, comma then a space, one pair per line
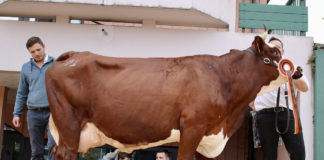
133, 103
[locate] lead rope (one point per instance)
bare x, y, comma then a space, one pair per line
297, 122
276, 109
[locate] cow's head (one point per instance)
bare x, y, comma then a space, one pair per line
266, 51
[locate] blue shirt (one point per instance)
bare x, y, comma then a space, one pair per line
31, 89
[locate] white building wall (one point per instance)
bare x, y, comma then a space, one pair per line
220, 9
146, 42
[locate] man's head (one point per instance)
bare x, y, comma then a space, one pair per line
123, 156
162, 155
36, 48
277, 43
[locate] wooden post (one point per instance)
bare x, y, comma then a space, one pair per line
3, 101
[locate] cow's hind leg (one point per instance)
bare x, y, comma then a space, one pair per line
69, 136
67, 120
189, 141
69, 133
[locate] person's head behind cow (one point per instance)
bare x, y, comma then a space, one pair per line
123, 156
277, 43
162, 155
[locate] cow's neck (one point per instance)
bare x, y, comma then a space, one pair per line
250, 74
244, 75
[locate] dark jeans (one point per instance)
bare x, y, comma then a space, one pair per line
37, 123
269, 137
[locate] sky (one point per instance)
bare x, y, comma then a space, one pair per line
315, 18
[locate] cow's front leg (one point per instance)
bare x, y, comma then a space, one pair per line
189, 140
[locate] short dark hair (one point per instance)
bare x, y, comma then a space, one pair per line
166, 152
276, 39
123, 155
33, 40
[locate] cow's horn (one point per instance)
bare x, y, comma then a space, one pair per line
265, 33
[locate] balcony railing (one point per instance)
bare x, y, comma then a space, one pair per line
291, 20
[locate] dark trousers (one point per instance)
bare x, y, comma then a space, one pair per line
269, 137
37, 123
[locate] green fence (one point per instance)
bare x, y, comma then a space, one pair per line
319, 106
275, 17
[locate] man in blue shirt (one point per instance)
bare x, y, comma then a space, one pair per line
32, 92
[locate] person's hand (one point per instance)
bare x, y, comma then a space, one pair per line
298, 73
16, 121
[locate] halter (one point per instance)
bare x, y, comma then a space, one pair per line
265, 60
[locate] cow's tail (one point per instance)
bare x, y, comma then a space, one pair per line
66, 56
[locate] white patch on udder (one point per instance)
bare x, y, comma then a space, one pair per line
210, 146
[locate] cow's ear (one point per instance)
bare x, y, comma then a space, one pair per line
258, 43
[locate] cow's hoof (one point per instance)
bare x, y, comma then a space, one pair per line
65, 154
